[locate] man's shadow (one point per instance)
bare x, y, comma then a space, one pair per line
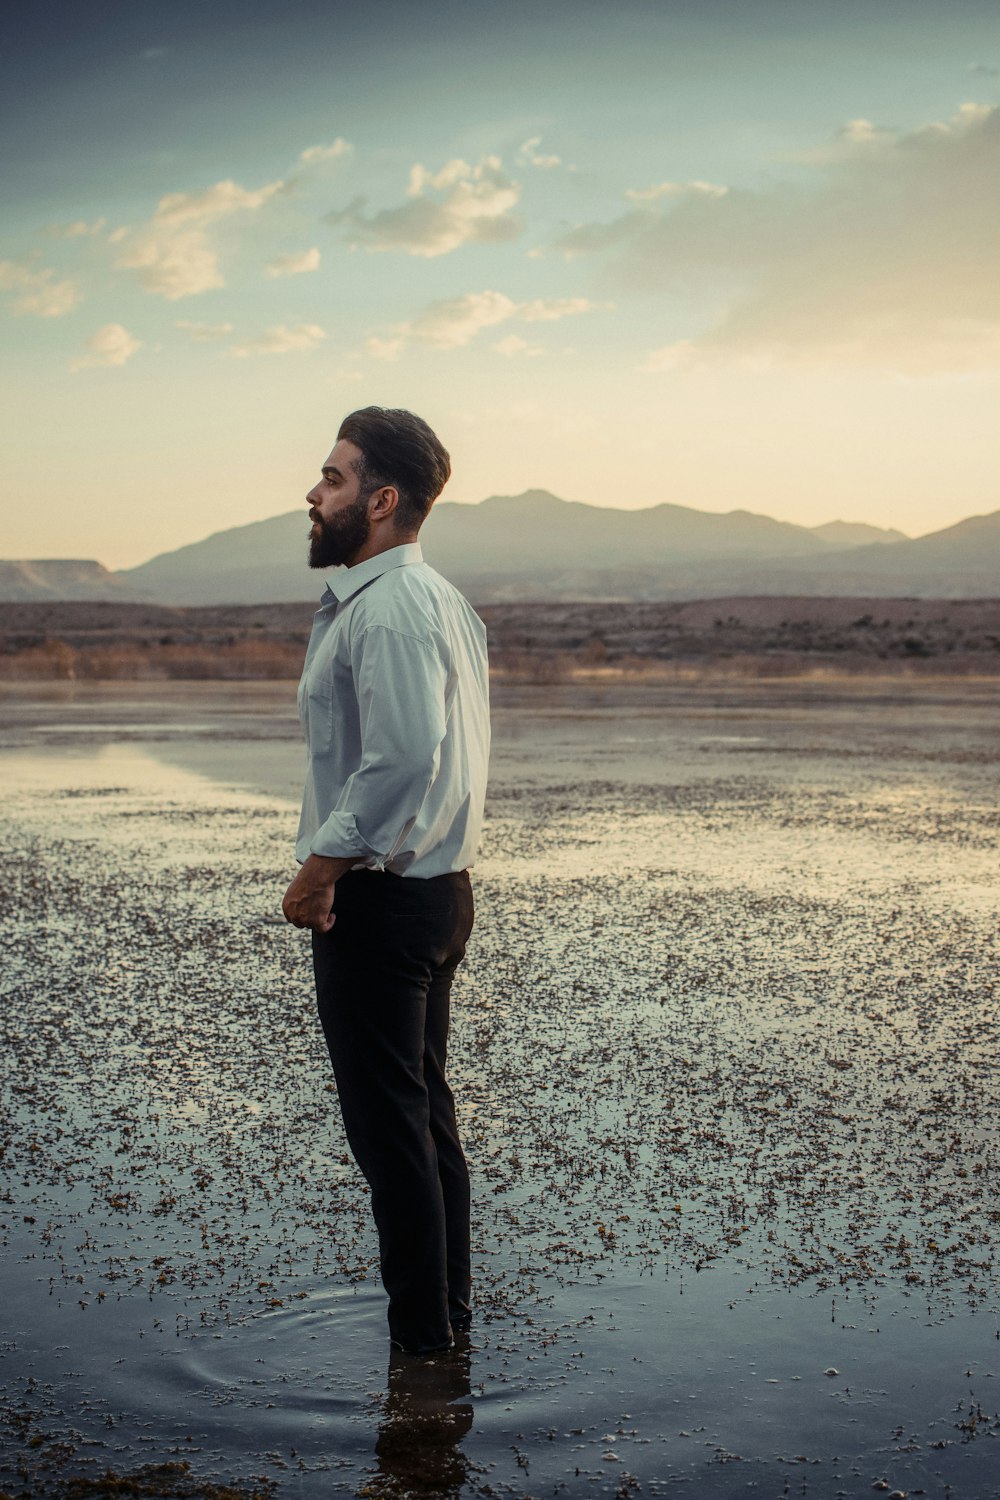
424, 1420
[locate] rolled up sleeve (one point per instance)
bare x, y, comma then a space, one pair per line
400, 681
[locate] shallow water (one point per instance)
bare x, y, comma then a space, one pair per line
726, 1054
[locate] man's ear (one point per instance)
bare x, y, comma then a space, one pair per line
383, 503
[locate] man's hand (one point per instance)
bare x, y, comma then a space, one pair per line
309, 899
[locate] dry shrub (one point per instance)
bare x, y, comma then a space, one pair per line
531, 666
244, 660
250, 660
52, 660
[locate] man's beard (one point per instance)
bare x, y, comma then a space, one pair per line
338, 540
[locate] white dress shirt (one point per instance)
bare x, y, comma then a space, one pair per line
394, 703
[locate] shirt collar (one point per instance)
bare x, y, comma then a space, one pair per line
346, 582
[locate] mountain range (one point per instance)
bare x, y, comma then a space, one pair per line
535, 546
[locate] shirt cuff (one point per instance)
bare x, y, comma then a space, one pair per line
338, 838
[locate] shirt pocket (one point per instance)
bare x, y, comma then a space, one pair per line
329, 708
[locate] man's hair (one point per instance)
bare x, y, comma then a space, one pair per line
398, 449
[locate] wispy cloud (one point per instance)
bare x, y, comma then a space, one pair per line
454, 322
513, 345
78, 229
172, 252
553, 309
673, 197
313, 155
675, 190
181, 210
37, 291
293, 265
281, 339
852, 141
530, 156
459, 205
110, 345
885, 256
205, 333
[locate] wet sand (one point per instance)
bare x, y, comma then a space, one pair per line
725, 1048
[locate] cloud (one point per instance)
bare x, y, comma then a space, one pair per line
455, 321
204, 333
173, 265
212, 204
172, 251
862, 132
675, 190
884, 256
281, 339
591, 239
293, 265
38, 293
530, 156
314, 154
459, 205
110, 345
854, 139
514, 344
77, 230
552, 309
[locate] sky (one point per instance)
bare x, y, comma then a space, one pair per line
718, 253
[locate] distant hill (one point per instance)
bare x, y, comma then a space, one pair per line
509, 547
974, 540
675, 558
263, 562
856, 533
959, 562
62, 578
535, 546
519, 536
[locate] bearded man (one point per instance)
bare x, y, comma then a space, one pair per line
394, 703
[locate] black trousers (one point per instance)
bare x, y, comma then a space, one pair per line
383, 982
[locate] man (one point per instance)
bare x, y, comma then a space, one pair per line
394, 703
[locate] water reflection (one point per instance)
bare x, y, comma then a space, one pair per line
426, 1415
